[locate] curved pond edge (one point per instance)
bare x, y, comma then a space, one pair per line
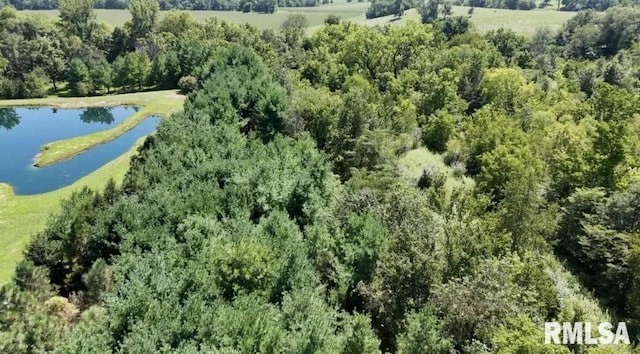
23, 216
154, 103
61, 150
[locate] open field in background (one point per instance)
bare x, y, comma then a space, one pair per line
521, 21
315, 15
155, 103
484, 19
23, 216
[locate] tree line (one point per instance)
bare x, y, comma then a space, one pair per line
381, 8
165, 5
397, 189
89, 58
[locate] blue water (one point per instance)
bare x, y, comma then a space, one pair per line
24, 130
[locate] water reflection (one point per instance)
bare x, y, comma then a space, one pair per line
31, 128
97, 115
9, 118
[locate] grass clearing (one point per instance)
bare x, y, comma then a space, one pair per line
485, 19
521, 21
413, 162
160, 103
23, 216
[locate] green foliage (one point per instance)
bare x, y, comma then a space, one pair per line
101, 74
604, 230
31, 318
131, 70
98, 281
452, 26
293, 28
332, 20
476, 306
265, 6
590, 34
144, 14
35, 84
612, 108
429, 10
318, 109
77, 17
510, 45
79, 81
437, 131
188, 84
505, 89
570, 146
381, 8
507, 4
65, 247
295, 21
176, 22
522, 335
290, 208
423, 333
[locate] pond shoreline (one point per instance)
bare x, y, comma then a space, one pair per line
154, 103
22, 216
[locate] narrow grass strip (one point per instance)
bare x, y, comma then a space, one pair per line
153, 103
22, 216
61, 150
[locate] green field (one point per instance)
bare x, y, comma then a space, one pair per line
483, 18
315, 15
23, 216
518, 20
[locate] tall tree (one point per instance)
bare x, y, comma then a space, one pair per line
429, 10
77, 17
144, 14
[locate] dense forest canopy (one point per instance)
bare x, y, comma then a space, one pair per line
422, 188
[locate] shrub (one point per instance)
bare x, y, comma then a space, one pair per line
436, 133
9, 88
188, 84
429, 175
332, 20
82, 89
459, 169
35, 84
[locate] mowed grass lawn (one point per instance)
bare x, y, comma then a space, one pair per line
484, 19
23, 216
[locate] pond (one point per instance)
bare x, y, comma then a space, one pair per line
23, 131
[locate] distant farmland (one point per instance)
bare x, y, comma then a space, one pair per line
316, 15
483, 18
